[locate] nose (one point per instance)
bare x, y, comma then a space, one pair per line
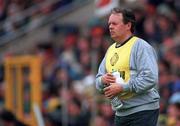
110, 27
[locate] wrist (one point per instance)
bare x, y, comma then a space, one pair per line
125, 87
102, 80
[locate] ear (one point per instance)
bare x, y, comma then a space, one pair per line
129, 25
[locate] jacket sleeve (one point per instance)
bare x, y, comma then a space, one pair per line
144, 63
101, 71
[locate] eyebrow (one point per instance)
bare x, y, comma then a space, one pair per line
109, 23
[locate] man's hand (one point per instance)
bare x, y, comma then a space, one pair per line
108, 78
112, 90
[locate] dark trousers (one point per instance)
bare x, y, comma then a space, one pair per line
143, 118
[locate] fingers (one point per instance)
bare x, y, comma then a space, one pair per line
112, 90
109, 74
108, 93
108, 78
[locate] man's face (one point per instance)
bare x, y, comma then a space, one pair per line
117, 28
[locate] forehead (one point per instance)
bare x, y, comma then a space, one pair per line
115, 17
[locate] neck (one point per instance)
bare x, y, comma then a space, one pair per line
121, 43
122, 39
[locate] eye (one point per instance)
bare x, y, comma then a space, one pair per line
114, 23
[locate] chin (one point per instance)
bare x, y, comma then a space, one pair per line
114, 38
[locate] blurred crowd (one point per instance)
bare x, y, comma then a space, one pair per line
71, 58
25, 15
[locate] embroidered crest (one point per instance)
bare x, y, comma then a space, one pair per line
114, 59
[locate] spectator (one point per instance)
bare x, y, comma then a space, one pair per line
174, 110
9, 119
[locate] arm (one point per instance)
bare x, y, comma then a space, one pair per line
103, 78
105, 82
101, 72
145, 62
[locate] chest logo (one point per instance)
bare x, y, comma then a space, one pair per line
114, 59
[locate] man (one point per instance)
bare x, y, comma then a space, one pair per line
135, 60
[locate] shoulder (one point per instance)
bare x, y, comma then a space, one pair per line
142, 47
141, 43
112, 46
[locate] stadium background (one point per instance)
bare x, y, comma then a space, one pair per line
70, 38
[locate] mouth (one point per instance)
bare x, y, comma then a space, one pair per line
111, 33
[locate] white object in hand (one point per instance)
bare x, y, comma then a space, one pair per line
119, 79
116, 102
